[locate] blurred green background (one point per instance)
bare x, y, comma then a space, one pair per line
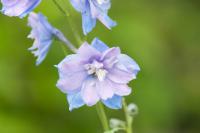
163, 36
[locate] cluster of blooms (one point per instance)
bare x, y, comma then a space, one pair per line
101, 73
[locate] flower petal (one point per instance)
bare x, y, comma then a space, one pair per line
86, 51
109, 57
78, 4
100, 11
18, 8
88, 22
43, 51
89, 92
119, 76
107, 21
72, 82
75, 100
112, 52
42, 33
71, 64
129, 64
120, 89
99, 45
124, 70
114, 103
105, 89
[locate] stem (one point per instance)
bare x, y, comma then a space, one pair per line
62, 38
129, 120
60, 8
67, 14
102, 116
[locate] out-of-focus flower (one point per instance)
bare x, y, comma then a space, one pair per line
42, 33
19, 8
96, 73
92, 10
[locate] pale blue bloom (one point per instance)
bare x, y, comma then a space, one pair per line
96, 73
92, 10
42, 33
19, 8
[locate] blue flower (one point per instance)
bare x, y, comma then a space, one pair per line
43, 33
96, 73
18, 8
92, 10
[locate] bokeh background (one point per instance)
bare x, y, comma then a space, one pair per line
163, 36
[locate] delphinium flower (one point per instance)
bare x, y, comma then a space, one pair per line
43, 34
96, 73
92, 10
19, 8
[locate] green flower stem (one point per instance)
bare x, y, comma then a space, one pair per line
102, 116
129, 120
60, 8
62, 38
66, 13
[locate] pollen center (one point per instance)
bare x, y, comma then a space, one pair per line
96, 69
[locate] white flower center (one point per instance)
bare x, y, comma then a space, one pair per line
96, 69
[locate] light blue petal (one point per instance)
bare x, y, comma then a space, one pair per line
75, 101
103, 7
31, 8
114, 103
100, 11
43, 51
42, 32
88, 22
99, 45
78, 4
129, 63
91, 11
19, 8
107, 21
